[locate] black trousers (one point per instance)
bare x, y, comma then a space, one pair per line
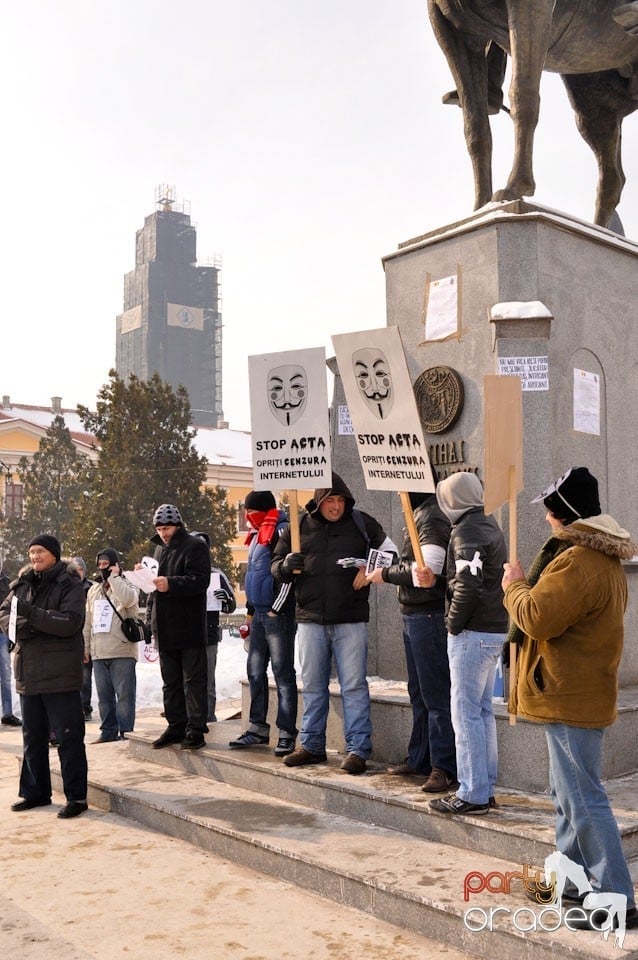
61, 714
185, 682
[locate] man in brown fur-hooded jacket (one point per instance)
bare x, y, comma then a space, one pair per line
570, 612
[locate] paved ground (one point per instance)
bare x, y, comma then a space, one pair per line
103, 888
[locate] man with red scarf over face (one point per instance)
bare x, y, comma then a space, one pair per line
271, 608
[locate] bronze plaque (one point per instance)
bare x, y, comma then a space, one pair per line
439, 398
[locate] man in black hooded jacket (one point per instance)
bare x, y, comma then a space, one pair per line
332, 613
176, 613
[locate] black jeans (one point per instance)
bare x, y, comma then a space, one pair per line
61, 714
185, 678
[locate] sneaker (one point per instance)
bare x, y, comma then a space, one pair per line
169, 736
73, 809
104, 739
353, 764
285, 746
11, 721
454, 804
249, 739
402, 770
439, 781
193, 741
302, 757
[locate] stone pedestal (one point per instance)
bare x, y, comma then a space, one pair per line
588, 279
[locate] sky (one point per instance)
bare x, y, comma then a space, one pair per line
307, 137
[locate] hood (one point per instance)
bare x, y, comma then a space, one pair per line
600, 533
201, 536
459, 493
338, 489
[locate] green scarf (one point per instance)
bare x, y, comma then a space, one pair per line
548, 552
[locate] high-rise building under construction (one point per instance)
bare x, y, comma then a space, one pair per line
171, 322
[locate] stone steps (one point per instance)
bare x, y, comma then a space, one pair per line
367, 842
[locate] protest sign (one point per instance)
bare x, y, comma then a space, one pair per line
289, 420
387, 429
504, 461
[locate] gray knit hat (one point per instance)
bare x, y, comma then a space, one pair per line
167, 515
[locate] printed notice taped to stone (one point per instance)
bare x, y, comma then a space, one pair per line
344, 423
586, 402
533, 371
289, 420
380, 397
441, 308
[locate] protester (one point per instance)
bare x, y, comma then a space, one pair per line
176, 617
431, 750
271, 638
8, 718
114, 657
476, 624
568, 614
332, 614
220, 595
48, 674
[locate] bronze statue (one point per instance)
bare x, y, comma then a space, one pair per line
592, 44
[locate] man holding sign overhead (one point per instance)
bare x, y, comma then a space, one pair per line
332, 613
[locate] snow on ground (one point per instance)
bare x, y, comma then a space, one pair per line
231, 670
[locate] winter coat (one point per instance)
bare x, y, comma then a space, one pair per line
106, 645
263, 593
572, 618
49, 643
475, 558
178, 617
324, 591
433, 529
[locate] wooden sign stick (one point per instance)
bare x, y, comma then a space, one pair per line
513, 551
412, 530
293, 517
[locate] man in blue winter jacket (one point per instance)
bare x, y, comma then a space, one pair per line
271, 609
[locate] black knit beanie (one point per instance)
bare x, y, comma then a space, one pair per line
110, 554
48, 542
261, 500
573, 496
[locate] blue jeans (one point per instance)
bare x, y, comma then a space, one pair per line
272, 639
432, 738
5, 676
586, 830
115, 682
348, 644
473, 656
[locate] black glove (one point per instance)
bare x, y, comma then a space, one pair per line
293, 563
221, 595
24, 609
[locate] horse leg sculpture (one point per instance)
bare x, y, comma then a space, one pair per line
530, 32
601, 101
468, 65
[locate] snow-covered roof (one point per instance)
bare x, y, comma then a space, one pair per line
231, 447
43, 417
